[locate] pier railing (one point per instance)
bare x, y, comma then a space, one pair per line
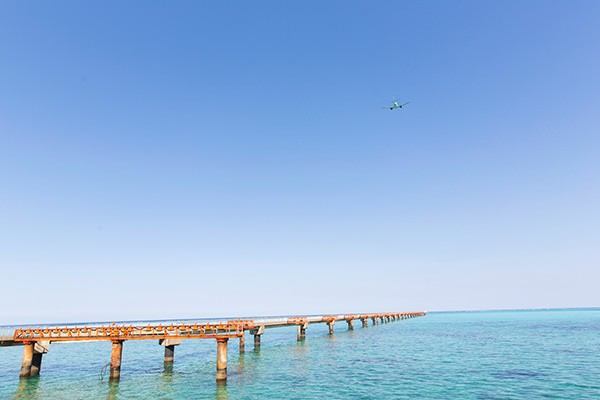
131, 332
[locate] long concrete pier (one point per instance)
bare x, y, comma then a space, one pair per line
36, 340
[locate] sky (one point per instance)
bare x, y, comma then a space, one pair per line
200, 159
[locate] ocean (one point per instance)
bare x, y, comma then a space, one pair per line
461, 355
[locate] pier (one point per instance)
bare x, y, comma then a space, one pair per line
36, 340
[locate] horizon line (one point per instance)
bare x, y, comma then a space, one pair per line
583, 308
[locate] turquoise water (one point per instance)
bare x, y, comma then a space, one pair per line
483, 355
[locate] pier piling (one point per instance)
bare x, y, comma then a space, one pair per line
39, 349
350, 324
169, 353
36, 364
116, 356
302, 332
222, 359
27, 359
256, 340
242, 343
257, 334
330, 325
169, 349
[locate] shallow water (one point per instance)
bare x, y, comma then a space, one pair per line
481, 355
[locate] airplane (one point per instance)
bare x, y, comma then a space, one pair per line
395, 105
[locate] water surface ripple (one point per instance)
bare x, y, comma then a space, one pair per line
483, 355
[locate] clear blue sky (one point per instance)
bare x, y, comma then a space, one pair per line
190, 159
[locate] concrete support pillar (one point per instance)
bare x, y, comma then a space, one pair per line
350, 324
32, 358
222, 359
257, 334
330, 326
27, 360
36, 364
242, 343
302, 332
116, 356
169, 345
169, 353
365, 322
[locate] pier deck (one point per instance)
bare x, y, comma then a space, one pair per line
37, 340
